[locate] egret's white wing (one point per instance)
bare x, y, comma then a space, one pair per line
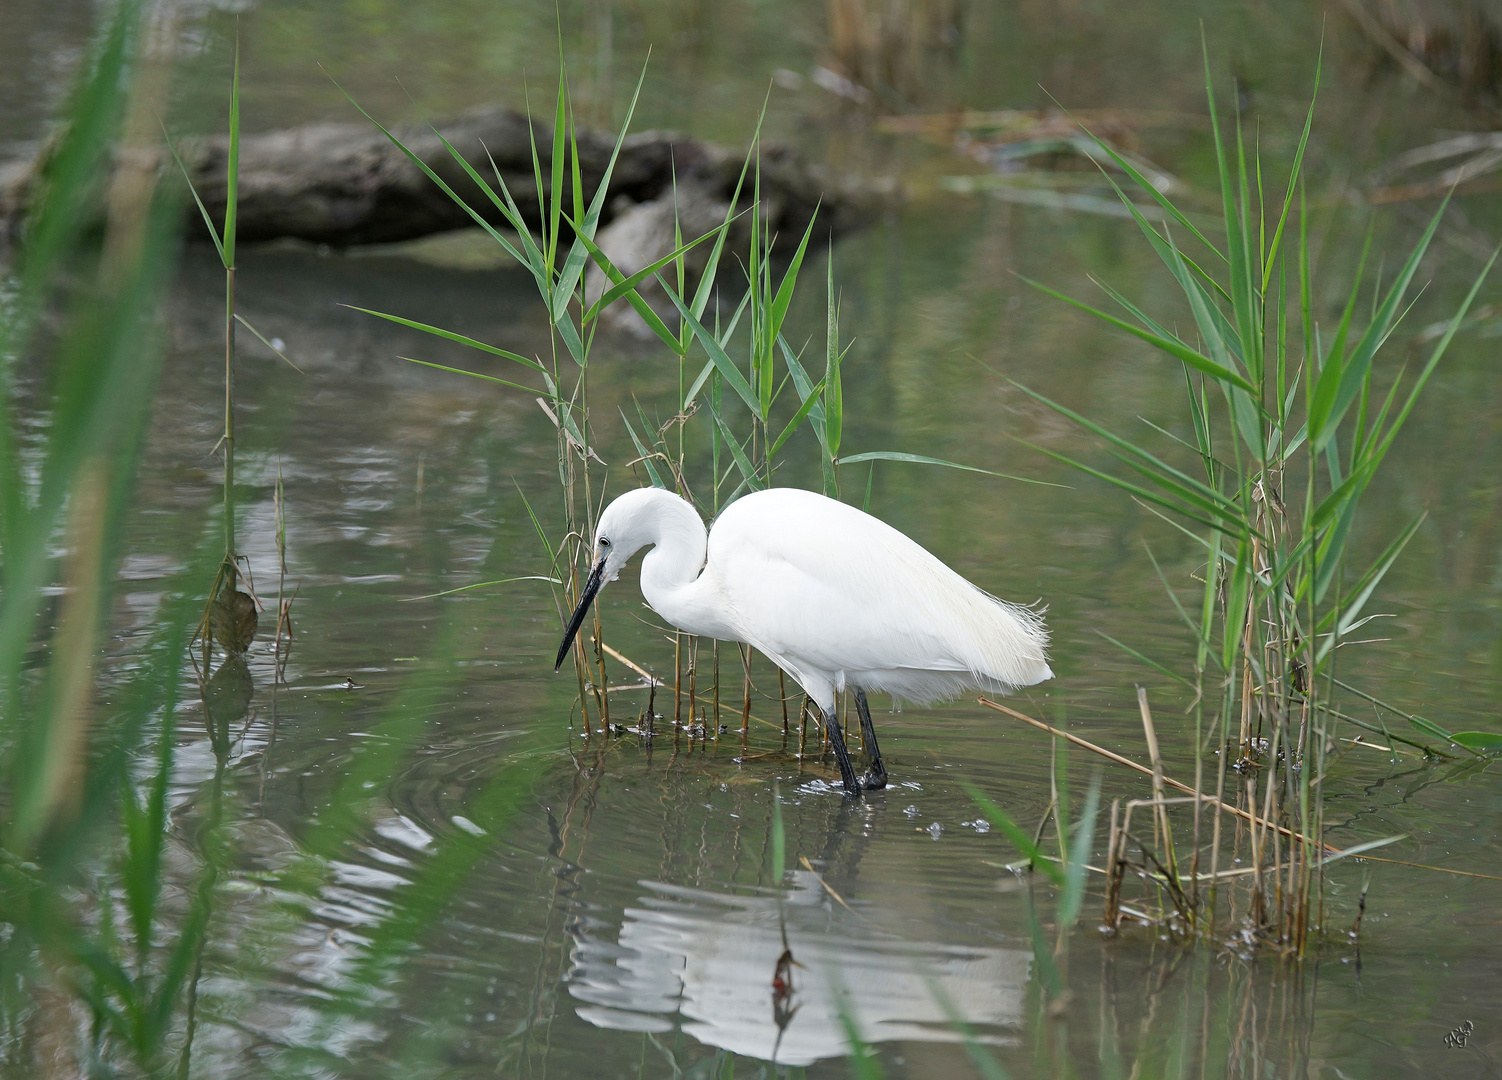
838, 591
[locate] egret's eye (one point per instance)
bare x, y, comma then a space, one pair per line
604, 543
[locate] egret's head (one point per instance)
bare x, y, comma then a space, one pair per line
633, 521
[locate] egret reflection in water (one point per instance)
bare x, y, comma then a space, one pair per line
710, 959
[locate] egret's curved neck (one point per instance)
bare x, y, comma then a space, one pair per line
670, 573
678, 555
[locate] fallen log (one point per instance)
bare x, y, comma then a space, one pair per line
346, 184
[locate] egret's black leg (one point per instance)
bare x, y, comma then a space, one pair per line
876, 776
841, 755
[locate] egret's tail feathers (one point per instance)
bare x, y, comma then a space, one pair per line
1009, 649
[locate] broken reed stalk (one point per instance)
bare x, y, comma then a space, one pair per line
1213, 800
1160, 817
1115, 868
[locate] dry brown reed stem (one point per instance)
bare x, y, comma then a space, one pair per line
677, 678
1129, 763
1160, 814
72, 676
1223, 806
746, 694
828, 888
1115, 866
632, 664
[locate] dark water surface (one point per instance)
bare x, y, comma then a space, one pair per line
569, 907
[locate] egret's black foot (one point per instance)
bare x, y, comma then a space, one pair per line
874, 780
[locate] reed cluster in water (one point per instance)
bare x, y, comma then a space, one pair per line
731, 421
1290, 427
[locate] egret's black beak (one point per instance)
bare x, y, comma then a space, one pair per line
592, 588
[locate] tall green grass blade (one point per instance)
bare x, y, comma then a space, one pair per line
805, 386
1171, 346
723, 338
146, 834
1146, 185
1247, 302
985, 1064
1382, 444
707, 280
779, 838
834, 395
530, 256
1203, 648
55, 223
554, 200
1161, 245
1483, 742
1175, 676
644, 455
862, 1058
629, 284
1173, 481
632, 297
202, 209
921, 459
1237, 255
748, 471
1199, 631
810, 401
573, 266
1345, 617
1355, 370
1238, 590
533, 257
1295, 176
232, 189
480, 585
262, 339
784, 297
57, 218
1134, 489
475, 375
1080, 847
724, 366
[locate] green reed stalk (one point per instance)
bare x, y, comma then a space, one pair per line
1278, 598
742, 453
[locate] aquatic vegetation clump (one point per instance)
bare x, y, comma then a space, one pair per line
1290, 427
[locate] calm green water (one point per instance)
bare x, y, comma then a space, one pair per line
572, 907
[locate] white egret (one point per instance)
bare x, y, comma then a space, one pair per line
833, 596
